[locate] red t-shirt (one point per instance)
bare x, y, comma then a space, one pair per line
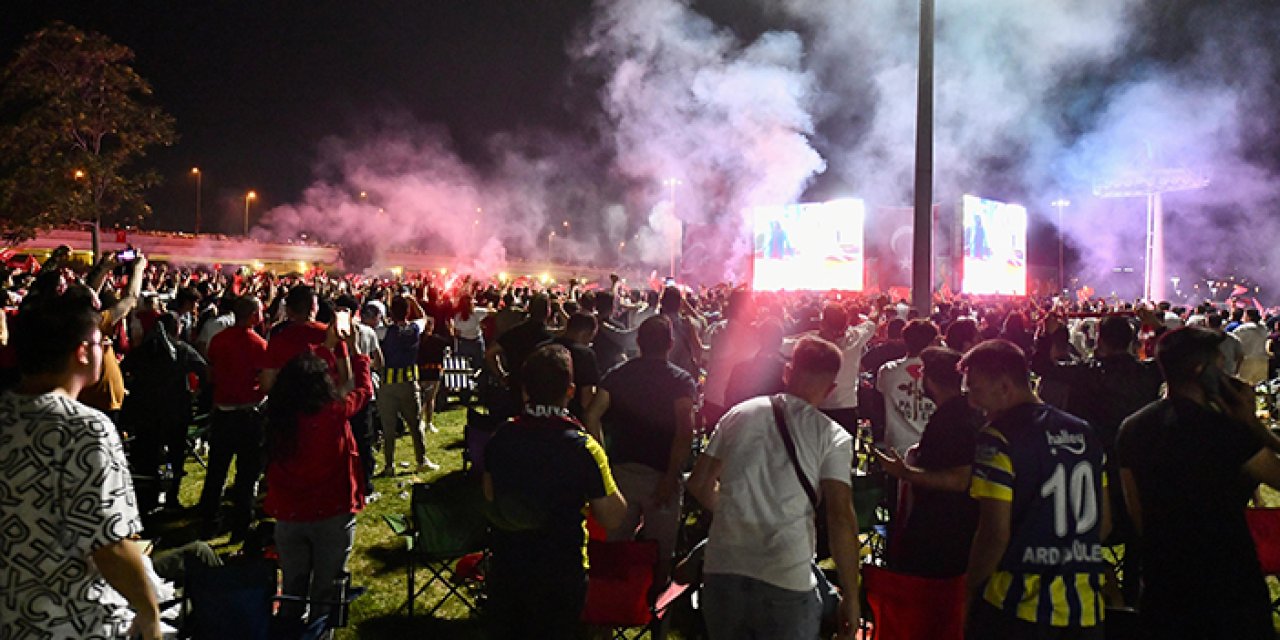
297, 338
235, 357
322, 477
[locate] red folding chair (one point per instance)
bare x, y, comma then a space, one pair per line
907, 607
1264, 524
618, 585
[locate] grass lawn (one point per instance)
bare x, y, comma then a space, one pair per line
378, 561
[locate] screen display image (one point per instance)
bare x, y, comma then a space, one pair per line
809, 247
995, 247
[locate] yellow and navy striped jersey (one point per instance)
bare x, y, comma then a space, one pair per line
1048, 464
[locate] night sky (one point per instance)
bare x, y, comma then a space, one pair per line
256, 86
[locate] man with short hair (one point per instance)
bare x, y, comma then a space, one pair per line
1190, 463
760, 375
614, 343
69, 509
1036, 567
759, 571
900, 383
577, 337
1232, 350
644, 411
1253, 342
541, 470
398, 396
235, 357
298, 334
505, 357
225, 319
932, 538
842, 402
1104, 390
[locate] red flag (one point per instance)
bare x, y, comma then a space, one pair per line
122, 236
1239, 290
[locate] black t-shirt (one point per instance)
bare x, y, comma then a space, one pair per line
876, 356
759, 376
1187, 460
585, 373
431, 351
935, 541
641, 421
610, 344
519, 343
544, 471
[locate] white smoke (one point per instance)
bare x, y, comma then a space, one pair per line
1034, 101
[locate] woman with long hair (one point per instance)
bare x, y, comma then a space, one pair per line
313, 472
466, 327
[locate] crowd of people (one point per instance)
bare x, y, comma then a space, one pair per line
1021, 437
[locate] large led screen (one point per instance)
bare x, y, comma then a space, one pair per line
995, 247
808, 247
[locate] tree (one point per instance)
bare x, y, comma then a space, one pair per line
74, 120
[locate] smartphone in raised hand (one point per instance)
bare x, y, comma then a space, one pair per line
342, 323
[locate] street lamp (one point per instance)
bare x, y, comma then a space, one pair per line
671, 184
1060, 204
94, 225
248, 197
195, 171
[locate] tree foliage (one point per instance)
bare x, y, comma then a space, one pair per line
74, 121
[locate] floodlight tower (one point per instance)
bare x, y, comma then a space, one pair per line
1152, 184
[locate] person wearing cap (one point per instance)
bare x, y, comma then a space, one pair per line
1189, 464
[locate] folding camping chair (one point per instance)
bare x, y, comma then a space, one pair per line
907, 607
618, 586
446, 523
459, 377
1264, 524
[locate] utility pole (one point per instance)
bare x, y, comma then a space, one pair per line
922, 231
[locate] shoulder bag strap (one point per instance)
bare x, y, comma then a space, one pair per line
780, 419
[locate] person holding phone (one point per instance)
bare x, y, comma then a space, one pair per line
1190, 463
314, 485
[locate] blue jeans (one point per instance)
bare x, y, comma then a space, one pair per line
742, 608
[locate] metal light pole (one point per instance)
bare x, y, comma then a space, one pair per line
922, 234
195, 171
248, 197
1060, 204
672, 183
550, 238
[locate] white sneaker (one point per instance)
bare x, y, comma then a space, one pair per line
431, 426
428, 466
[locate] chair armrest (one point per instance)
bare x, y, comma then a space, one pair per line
399, 524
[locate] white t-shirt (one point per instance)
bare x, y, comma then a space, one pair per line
469, 329
906, 409
214, 326
763, 528
67, 492
1253, 338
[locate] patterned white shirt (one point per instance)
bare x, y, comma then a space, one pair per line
64, 493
